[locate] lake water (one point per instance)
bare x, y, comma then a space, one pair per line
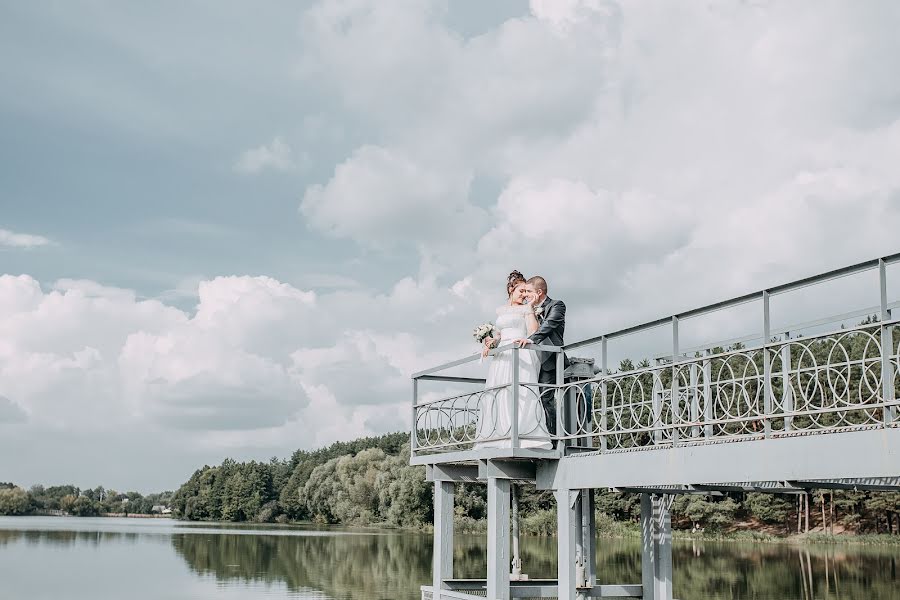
57, 558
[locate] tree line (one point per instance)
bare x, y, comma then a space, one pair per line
369, 482
72, 500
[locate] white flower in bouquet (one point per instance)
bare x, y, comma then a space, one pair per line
485, 330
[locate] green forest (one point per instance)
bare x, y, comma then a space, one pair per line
369, 482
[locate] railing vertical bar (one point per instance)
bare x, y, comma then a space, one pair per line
514, 400
887, 346
676, 397
559, 396
707, 395
787, 389
695, 401
767, 366
603, 400
657, 401
413, 425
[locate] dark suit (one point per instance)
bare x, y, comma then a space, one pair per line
550, 332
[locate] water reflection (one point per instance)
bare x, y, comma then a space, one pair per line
356, 567
67, 538
393, 565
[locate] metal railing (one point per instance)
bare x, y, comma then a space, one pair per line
485, 417
839, 380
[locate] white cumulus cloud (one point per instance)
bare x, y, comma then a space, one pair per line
276, 155
12, 239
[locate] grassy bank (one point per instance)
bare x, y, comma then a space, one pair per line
543, 523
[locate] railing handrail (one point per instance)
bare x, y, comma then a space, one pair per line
474, 357
737, 301
790, 328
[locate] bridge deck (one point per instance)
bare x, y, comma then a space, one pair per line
870, 456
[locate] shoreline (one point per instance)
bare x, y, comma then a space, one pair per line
619, 531
59, 513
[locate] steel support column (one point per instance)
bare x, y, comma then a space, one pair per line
498, 560
516, 558
589, 536
656, 546
442, 568
567, 533
578, 517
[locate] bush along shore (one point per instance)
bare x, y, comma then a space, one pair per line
369, 483
69, 500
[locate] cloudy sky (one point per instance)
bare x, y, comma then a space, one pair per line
234, 229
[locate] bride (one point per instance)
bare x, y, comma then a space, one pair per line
515, 320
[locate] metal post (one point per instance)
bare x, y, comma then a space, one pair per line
603, 401
559, 396
514, 400
887, 346
657, 407
589, 535
707, 396
516, 559
412, 429
787, 392
676, 396
578, 517
442, 568
587, 392
498, 539
695, 401
566, 535
664, 543
767, 366
572, 413
648, 547
656, 546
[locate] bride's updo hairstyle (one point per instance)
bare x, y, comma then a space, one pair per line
514, 279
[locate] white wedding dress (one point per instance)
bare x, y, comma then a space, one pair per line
495, 417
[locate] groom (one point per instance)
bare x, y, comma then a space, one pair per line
551, 316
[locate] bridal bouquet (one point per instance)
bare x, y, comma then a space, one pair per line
485, 330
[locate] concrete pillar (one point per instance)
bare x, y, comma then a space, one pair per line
498, 559
656, 546
442, 568
589, 535
568, 530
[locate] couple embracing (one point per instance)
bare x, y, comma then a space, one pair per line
529, 317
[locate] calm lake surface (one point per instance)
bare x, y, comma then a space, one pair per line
57, 558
